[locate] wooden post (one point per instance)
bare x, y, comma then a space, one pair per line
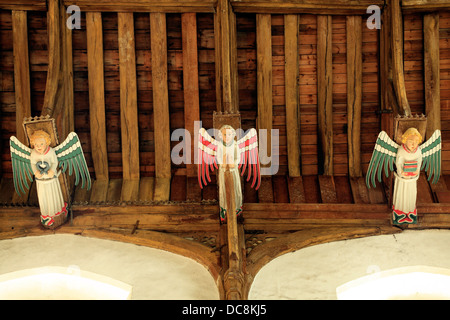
128, 107
54, 58
432, 72
96, 94
397, 58
354, 93
226, 60
21, 81
292, 93
94, 32
264, 77
67, 100
233, 277
21, 71
158, 36
325, 90
190, 81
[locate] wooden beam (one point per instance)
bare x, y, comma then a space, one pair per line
67, 104
397, 58
292, 93
161, 6
128, 98
190, 82
226, 60
264, 77
158, 35
354, 93
339, 7
325, 91
21, 81
54, 58
21, 71
97, 94
32, 5
425, 5
432, 72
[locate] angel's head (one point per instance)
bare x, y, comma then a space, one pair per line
411, 138
227, 134
40, 140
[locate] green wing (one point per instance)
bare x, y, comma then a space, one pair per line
383, 156
70, 156
431, 156
21, 165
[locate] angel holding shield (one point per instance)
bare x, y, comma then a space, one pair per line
43, 162
410, 157
224, 154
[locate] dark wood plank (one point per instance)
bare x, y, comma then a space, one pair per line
280, 189
327, 189
343, 189
178, 188
359, 190
265, 191
312, 189
193, 191
296, 190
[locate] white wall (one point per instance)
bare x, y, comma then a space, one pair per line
315, 272
152, 273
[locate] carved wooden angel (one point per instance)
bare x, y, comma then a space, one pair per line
409, 158
228, 154
43, 162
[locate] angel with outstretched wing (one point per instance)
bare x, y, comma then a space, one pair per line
43, 162
409, 158
226, 153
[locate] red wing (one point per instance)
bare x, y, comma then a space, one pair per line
207, 147
248, 147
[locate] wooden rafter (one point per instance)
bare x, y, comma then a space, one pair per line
432, 72
163, 6
338, 7
325, 90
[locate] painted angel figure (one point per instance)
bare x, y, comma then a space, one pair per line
43, 162
226, 153
409, 158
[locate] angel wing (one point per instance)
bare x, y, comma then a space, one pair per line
70, 156
248, 146
207, 149
431, 156
21, 165
383, 155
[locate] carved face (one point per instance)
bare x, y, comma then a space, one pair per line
40, 145
227, 135
412, 142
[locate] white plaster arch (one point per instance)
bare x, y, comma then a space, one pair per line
152, 273
316, 272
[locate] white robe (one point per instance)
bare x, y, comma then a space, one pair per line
51, 201
233, 155
405, 189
